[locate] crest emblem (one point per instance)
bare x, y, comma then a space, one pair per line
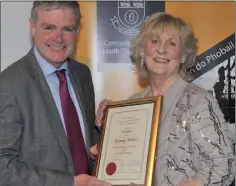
131, 14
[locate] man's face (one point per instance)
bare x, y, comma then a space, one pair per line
54, 34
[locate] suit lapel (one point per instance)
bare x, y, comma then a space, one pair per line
75, 77
51, 110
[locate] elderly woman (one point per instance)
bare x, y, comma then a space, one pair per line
193, 148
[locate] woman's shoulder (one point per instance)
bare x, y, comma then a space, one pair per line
140, 94
198, 95
191, 87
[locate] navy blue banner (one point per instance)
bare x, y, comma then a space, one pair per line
214, 56
117, 23
215, 71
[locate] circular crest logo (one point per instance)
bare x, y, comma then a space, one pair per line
131, 14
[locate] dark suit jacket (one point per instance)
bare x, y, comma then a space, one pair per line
33, 145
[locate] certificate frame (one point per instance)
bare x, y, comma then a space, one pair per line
129, 113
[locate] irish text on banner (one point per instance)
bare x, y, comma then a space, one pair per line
215, 71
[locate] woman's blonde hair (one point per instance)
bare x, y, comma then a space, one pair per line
162, 20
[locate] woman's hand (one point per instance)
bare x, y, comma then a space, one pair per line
100, 112
94, 150
193, 181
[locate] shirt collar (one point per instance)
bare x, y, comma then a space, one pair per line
46, 67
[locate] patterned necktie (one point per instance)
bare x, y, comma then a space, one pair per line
74, 133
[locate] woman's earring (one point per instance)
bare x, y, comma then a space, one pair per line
142, 55
142, 60
183, 60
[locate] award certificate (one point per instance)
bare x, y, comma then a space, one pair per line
128, 142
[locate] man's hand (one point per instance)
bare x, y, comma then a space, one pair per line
86, 180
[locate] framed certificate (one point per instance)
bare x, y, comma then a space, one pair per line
128, 142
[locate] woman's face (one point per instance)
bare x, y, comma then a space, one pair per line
162, 52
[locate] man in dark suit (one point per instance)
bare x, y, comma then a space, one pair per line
47, 109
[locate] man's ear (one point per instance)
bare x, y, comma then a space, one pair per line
78, 30
32, 27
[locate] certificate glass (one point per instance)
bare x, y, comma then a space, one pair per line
128, 142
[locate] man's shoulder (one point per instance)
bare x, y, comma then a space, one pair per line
14, 69
12, 78
78, 66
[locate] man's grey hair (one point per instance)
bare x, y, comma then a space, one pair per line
52, 5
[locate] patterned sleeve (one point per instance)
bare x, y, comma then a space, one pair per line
211, 150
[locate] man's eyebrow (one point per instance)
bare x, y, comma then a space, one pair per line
69, 27
48, 24
72, 26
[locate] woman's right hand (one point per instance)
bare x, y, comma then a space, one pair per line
100, 112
